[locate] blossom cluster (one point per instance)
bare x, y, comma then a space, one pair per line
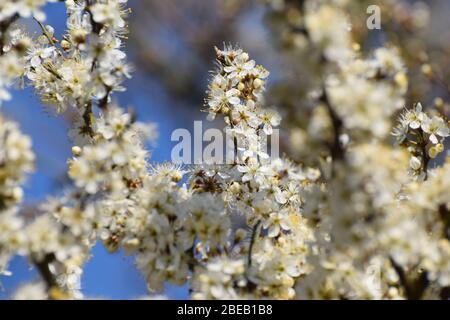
378, 85
172, 229
423, 135
78, 70
16, 160
267, 193
86, 64
23, 8
236, 93
13, 43
323, 118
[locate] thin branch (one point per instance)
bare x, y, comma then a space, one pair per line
96, 27
252, 243
425, 157
255, 230
51, 39
445, 216
43, 267
88, 118
337, 152
103, 103
414, 288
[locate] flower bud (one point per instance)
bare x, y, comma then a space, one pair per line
435, 150
78, 36
65, 45
257, 83
132, 243
23, 45
427, 70
76, 151
415, 163
432, 152
235, 187
17, 194
401, 80
176, 176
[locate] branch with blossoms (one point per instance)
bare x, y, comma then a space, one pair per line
119, 198
423, 136
84, 67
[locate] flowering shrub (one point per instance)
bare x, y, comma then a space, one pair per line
353, 216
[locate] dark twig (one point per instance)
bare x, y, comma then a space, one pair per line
250, 284
445, 216
4, 25
425, 157
255, 230
414, 288
337, 151
43, 267
445, 293
88, 119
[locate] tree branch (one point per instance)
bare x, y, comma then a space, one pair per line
445, 216
337, 152
414, 288
4, 25
252, 243
44, 270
